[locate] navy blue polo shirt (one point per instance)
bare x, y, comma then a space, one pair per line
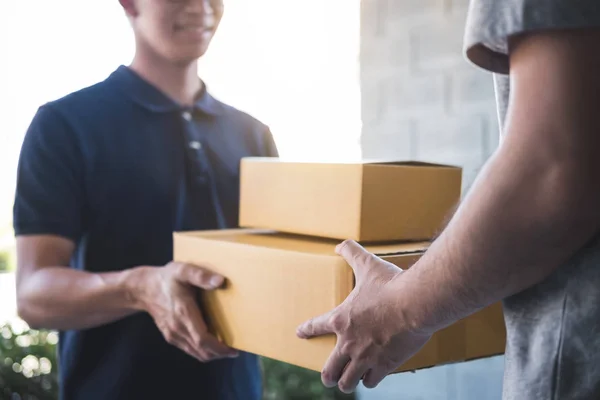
118, 167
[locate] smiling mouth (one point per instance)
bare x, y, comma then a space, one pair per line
193, 28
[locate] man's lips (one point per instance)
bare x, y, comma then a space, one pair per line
193, 27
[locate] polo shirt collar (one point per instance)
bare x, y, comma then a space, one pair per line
148, 96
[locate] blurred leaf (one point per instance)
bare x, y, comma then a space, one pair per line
5, 259
27, 363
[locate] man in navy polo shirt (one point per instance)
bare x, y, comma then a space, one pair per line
106, 174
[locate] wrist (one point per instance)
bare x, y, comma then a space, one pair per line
423, 308
134, 286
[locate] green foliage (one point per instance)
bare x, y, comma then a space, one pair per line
5, 260
287, 382
28, 369
27, 363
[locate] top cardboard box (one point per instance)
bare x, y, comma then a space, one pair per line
364, 201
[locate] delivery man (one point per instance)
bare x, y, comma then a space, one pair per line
528, 233
106, 174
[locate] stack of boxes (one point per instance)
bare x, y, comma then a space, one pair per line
282, 269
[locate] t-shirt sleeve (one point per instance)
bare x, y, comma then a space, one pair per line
49, 197
490, 23
270, 147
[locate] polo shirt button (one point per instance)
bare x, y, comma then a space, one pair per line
196, 145
187, 115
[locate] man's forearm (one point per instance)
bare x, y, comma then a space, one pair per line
523, 219
61, 298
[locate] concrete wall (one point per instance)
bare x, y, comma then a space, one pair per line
422, 100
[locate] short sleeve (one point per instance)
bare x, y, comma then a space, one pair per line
490, 23
270, 147
49, 197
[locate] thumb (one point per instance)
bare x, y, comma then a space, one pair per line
316, 326
199, 277
356, 256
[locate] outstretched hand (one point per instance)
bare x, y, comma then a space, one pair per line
373, 334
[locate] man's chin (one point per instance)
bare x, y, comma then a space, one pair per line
189, 56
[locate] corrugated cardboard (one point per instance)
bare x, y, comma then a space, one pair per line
277, 281
367, 202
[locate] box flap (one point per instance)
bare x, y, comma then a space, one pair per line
353, 161
408, 163
304, 244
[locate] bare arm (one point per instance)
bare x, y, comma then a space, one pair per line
537, 201
53, 296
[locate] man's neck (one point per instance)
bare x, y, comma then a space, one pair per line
179, 82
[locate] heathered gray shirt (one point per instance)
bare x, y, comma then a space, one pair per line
553, 346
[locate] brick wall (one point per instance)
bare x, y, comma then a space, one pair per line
421, 99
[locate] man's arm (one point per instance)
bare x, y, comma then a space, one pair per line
537, 201
534, 205
51, 295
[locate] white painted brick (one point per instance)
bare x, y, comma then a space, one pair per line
372, 17
372, 99
406, 9
471, 87
455, 141
401, 15
414, 96
459, 5
388, 139
438, 46
381, 52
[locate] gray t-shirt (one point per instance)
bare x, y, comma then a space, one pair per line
553, 345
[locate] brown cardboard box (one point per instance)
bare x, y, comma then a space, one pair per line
367, 202
277, 281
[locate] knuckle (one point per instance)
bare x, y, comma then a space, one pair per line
176, 327
185, 268
345, 245
169, 336
363, 356
202, 275
201, 342
347, 347
180, 310
337, 321
179, 313
344, 386
363, 258
176, 268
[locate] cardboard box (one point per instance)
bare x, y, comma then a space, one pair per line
277, 281
367, 202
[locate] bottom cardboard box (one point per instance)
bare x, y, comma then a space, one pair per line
276, 281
